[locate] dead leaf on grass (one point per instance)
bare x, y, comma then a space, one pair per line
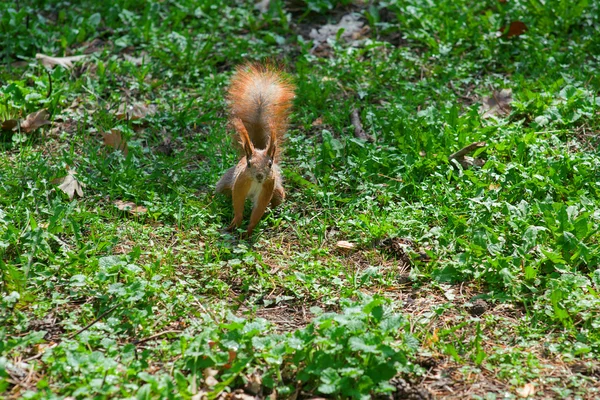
135, 111
351, 24
141, 60
65, 62
344, 245
115, 140
262, 6
166, 147
70, 185
254, 384
466, 161
498, 104
201, 395
516, 28
526, 391
209, 377
130, 207
35, 120
317, 122
9, 124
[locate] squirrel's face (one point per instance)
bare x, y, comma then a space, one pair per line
259, 165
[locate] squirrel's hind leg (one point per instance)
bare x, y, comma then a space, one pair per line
278, 195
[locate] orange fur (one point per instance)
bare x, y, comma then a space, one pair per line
260, 100
261, 97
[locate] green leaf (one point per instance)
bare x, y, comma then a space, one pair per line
554, 257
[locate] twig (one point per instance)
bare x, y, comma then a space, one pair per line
104, 314
41, 353
392, 178
466, 150
155, 336
359, 132
210, 313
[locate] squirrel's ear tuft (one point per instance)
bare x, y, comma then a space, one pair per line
244, 137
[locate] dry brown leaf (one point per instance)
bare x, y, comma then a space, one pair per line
135, 111
317, 122
254, 384
262, 6
498, 104
240, 395
353, 30
209, 377
9, 124
526, 391
141, 60
65, 62
344, 245
35, 120
130, 207
70, 185
166, 147
201, 395
115, 140
516, 28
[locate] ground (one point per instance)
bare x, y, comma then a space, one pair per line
398, 266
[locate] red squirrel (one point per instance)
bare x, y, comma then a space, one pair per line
260, 99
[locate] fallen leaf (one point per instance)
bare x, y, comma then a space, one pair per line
342, 244
353, 29
516, 28
262, 6
135, 111
166, 147
466, 161
240, 395
317, 122
254, 384
130, 207
35, 120
115, 140
232, 355
209, 376
9, 124
65, 62
201, 395
141, 60
498, 104
526, 391
70, 185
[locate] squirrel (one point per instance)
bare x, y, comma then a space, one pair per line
260, 99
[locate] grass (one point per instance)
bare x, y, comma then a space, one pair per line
478, 282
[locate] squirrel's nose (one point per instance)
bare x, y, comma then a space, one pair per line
260, 177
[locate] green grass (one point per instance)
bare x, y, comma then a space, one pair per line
96, 302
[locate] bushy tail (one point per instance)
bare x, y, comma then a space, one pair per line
261, 97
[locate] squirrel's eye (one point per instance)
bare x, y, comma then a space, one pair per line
270, 163
249, 164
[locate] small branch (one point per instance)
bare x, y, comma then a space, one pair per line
155, 336
466, 150
392, 178
104, 314
359, 132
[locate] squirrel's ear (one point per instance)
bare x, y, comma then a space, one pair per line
272, 142
244, 137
